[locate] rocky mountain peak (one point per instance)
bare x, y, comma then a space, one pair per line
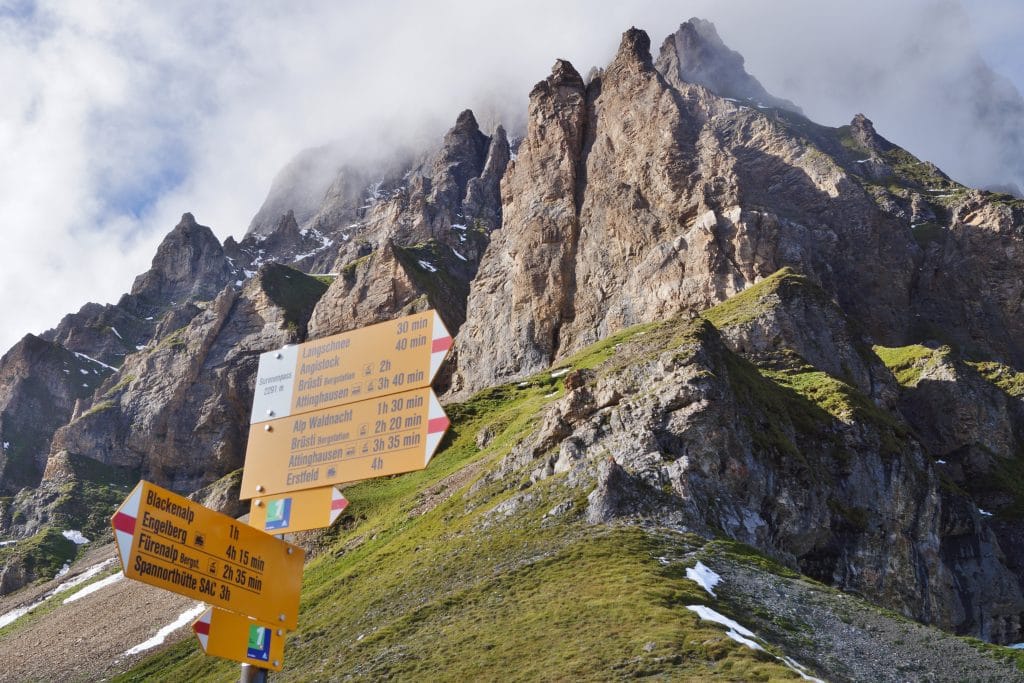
466, 121
189, 263
635, 48
563, 75
863, 131
703, 58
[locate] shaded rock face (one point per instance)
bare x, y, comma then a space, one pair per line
40, 383
640, 195
388, 283
108, 332
178, 412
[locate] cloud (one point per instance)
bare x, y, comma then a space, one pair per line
118, 117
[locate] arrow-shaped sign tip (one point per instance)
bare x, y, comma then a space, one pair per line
201, 627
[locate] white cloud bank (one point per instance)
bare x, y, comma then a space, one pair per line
117, 117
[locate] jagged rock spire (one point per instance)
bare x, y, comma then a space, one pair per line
701, 57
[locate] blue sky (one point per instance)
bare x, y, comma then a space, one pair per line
118, 117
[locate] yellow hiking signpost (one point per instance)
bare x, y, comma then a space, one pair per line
171, 542
352, 406
232, 636
297, 511
354, 366
387, 435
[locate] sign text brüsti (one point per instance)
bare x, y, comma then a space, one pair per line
377, 437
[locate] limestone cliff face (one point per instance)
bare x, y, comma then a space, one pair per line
526, 283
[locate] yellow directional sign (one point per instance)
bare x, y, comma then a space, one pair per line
372, 361
169, 541
233, 636
297, 511
386, 435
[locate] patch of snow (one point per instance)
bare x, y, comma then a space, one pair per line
799, 668
458, 226
63, 570
7, 444
139, 347
81, 578
940, 462
249, 273
75, 536
458, 254
93, 360
3, 543
739, 633
85, 385
161, 635
1016, 646
664, 561
84, 372
703, 577
428, 266
863, 161
67, 372
238, 283
558, 373
551, 395
730, 99
149, 318
984, 513
114, 330
15, 614
94, 587
523, 385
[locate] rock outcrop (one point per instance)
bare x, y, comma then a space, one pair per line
677, 429
40, 384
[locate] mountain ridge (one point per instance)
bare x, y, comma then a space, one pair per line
682, 309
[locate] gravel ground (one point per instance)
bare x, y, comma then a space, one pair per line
85, 640
843, 638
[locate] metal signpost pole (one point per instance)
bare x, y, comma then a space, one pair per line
252, 674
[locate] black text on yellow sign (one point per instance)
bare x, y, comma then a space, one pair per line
169, 541
386, 435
